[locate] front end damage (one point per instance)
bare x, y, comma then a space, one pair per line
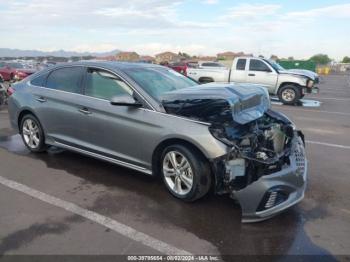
265, 167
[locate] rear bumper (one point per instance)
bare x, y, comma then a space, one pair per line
271, 194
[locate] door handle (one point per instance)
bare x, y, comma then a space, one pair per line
40, 99
85, 111
251, 74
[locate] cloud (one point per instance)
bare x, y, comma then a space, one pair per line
251, 11
333, 11
152, 26
91, 14
210, 2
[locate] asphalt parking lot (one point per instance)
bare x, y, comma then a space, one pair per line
134, 214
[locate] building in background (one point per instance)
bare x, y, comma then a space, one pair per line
274, 57
167, 57
147, 59
230, 55
107, 58
203, 58
127, 56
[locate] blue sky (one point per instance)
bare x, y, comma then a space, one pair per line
199, 27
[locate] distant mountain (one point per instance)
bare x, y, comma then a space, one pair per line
8, 52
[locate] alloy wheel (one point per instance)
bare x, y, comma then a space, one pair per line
288, 95
31, 133
177, 172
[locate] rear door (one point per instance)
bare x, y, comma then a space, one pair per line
261, 73
58, 105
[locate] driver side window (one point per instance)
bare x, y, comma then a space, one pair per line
104, 85
257, 65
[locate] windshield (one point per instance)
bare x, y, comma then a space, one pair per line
156, 81
275, 65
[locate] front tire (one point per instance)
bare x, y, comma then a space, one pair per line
185, 172
289, 94
32, 134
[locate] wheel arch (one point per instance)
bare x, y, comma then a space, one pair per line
168, 142
287, 83
24, 112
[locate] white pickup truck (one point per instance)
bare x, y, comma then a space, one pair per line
289, 86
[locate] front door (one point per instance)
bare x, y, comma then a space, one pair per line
111, 130
260, 73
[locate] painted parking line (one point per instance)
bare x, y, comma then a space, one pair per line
114, 225
327, 144
346, 211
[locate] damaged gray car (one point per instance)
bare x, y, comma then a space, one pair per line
154, 120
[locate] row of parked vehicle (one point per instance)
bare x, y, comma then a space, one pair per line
14, 71
288, 85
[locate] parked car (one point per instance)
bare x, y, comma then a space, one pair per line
7, 72
154, 120
14, 71
3, 94
290, 87
181, 67
21, 71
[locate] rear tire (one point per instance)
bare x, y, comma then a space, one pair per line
32, 134
191, 178
289, 94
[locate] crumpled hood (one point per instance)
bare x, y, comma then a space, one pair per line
245, 102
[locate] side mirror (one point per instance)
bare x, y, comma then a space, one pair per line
125, 100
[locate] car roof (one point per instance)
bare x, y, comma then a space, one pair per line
109, 65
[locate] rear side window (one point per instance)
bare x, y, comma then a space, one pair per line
257, 65
66, 79
241, 64
104, 85
39, 81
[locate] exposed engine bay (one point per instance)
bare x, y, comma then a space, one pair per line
259, 147
265, 167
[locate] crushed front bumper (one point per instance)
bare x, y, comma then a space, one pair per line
312, 90
273, 193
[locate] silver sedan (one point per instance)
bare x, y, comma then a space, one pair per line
151, 119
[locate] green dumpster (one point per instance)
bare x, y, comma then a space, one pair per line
298, 64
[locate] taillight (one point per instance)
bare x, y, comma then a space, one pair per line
10, 91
